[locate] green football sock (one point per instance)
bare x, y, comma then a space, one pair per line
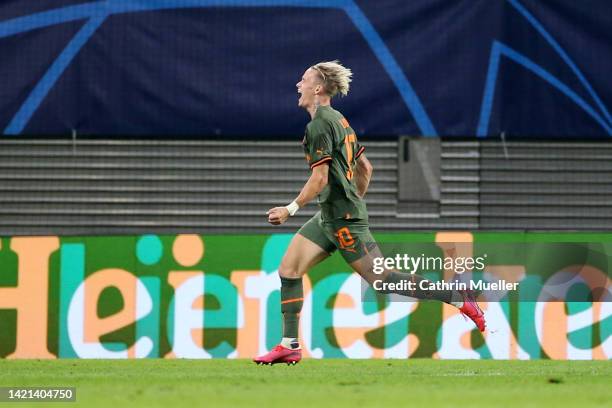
292, 298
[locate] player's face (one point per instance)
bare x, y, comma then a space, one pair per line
308, 88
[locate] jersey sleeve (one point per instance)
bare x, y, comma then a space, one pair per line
319, 147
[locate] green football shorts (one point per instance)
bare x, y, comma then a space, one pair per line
351, 237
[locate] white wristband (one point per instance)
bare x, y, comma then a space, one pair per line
292, 208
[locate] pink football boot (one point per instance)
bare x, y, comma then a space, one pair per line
280, 354
471, 309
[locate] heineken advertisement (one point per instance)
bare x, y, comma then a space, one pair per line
217, 296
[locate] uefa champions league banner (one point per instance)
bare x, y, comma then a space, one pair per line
229, 68
191, 296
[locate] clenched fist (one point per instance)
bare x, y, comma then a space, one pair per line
278, 215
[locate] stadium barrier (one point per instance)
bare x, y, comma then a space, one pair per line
123, 186
192, 296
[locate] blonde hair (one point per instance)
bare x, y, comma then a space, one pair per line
335, 77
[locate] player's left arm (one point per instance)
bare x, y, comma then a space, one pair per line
363, 174
315, 184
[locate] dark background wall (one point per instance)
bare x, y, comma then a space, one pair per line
422, 67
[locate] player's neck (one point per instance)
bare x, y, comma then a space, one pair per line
312, 110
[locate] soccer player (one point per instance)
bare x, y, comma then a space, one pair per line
340, 178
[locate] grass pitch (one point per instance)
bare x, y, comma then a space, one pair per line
318, 383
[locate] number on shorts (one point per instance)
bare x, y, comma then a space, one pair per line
345, 239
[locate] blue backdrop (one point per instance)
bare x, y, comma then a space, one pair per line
426, 67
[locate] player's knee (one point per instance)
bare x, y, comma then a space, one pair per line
289, 271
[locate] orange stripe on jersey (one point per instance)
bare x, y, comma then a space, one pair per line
318, 163
344, 123
284, 302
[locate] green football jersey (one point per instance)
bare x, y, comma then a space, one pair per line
330, 140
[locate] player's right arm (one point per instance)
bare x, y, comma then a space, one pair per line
318, 142
315, 184
313, 187
363, 174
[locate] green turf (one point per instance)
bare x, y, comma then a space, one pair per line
319, 383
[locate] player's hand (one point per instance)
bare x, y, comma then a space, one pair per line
277, 215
